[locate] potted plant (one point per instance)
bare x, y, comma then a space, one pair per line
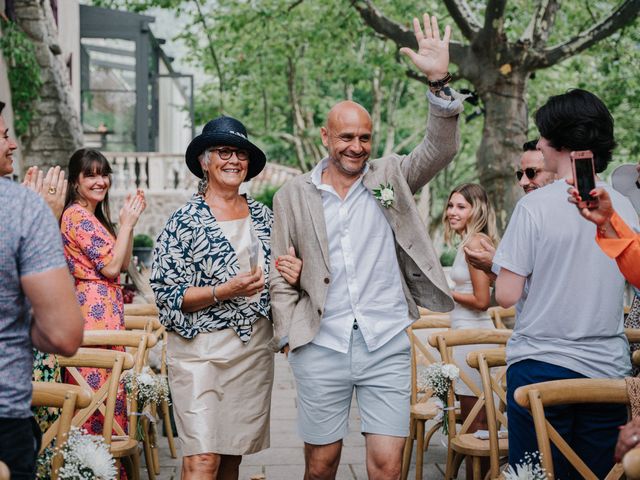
142, 248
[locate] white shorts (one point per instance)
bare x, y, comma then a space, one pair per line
325, 380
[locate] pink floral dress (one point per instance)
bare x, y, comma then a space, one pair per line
88, 247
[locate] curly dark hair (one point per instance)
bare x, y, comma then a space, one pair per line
578, 120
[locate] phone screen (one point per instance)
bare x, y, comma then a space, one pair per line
585, 181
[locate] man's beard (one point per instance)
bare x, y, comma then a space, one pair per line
346, 171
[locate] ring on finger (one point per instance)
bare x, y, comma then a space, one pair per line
52, 190
635, 439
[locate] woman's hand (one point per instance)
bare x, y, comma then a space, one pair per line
601, 215
133, 207
629, 437
52, 187
242, 285
290, 267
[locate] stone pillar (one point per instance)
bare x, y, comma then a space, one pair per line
55, 131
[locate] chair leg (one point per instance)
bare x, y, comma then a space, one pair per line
448, 471
457, 461
430, 433
408, 449
135, 465
166, 422
148, 454
477, 468
419, 448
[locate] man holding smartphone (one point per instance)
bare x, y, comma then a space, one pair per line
571, 325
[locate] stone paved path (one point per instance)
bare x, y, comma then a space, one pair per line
284, 460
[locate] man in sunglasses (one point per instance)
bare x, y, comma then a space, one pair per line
531, 175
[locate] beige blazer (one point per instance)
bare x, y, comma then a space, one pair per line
299, 222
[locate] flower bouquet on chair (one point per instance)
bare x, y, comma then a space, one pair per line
439, 377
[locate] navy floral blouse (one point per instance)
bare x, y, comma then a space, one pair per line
193, 251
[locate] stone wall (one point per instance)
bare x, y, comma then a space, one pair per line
55, 131
160, 205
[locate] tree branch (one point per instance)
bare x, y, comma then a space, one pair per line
623, 15
401, 36
463, 16
494, 19
537, 32
212, 51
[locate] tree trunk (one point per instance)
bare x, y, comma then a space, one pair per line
504, 132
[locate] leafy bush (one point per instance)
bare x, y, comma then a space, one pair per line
266, 195
447, 257
142, 240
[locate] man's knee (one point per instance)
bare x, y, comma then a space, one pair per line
322, 461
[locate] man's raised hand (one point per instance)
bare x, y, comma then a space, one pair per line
432, 57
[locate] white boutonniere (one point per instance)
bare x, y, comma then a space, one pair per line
384, 194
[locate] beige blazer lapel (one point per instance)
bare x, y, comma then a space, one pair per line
372, 181
316, 213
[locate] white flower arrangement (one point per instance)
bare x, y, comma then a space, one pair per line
439, 377
530, 469
150, 388
86, 457
384, 194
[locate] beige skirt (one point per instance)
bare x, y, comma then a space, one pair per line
221, 390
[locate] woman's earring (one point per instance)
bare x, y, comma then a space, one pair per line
202, 184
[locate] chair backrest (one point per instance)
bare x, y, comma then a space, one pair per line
563, 392
452, 338
67, 398
422, 355
4, 471
104, 399
140, 309
499, 314
631, 464
483, 360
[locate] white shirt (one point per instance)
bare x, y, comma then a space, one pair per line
572, 316
365, 276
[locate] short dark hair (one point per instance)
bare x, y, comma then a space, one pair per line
1, 107
578, 120
530, 145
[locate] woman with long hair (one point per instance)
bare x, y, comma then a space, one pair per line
96, 254
469, 217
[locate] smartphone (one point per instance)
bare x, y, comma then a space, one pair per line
584, 177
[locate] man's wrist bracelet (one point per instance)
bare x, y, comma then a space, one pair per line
440, 84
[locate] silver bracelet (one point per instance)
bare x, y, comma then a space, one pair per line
213, 292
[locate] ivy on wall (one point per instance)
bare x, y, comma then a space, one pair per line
24, 73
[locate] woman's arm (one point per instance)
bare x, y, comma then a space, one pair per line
121, 253
480, 299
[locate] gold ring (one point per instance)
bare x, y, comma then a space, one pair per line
52, 190
635, 439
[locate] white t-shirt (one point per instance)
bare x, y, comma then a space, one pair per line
573, 314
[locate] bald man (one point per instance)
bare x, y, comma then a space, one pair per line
368, 263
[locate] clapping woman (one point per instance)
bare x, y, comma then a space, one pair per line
209, 270
96, 254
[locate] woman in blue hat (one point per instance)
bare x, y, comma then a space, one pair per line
210, 270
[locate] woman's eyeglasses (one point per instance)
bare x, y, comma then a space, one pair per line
226, 153
529, 172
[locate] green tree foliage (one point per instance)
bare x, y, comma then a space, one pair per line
279, 65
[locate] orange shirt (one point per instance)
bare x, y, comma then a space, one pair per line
625, 249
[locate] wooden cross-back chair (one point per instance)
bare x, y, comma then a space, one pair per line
631, 464
138, 343
499, 314
537, 396
67, 398
151, 324
462, 443
483, 361
4, 472
423, 407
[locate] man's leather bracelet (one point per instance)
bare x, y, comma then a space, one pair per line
439, 84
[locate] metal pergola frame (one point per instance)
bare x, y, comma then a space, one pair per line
97, 22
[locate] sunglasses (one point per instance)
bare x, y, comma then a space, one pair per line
529, 172
226, 153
